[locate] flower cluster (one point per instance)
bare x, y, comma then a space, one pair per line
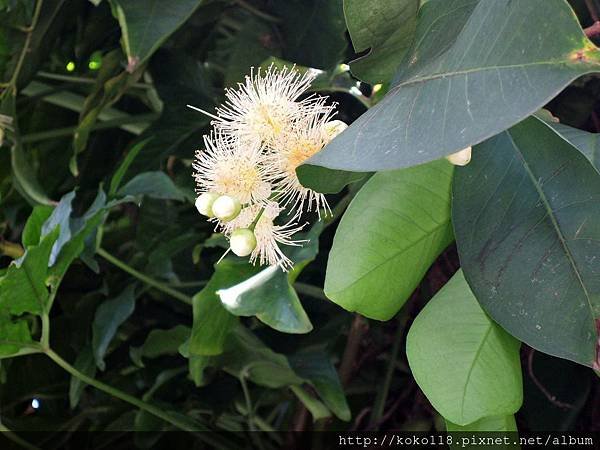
246, 174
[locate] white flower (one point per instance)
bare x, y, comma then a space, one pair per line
266, 104
227, 167
307, 137
268, 235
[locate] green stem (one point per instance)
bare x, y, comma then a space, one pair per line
21, 60
68, 131
382, 394
45, 339
9, 434
155, 411
258, 13
248, 401
81, 80
145, 278
310, 290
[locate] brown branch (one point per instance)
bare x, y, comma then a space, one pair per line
551, 398
358, 329
593, 30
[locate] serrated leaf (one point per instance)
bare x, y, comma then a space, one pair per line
526, 213
461, 84
466, 365
384, 27
394, 228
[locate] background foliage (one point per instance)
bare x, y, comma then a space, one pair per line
114, 316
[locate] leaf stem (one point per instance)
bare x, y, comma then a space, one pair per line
9, 434
382, 394
155, 411
258, 13
145, 278
29, 31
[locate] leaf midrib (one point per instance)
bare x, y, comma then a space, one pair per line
471, 367
394, 256
417, 80
555, 225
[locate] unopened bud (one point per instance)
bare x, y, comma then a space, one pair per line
205, 202
242, 241
461, 158
334, 127
226, 208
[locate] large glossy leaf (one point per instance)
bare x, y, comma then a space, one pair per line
461, 83
587, 143
467, 366
146, 25
384, 27
393, 230
526, 213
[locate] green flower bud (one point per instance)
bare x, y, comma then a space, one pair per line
205, 202
242, 241
226, 208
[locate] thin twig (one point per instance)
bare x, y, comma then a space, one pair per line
592, 9
551, 398
358, 329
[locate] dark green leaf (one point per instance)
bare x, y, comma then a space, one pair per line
325, 180
122, 169
86, 364
317, 369
13, 335
212, 322
146, 25
316, 25
153, 184
384, 27
526, 213
109, 316
586, 143
161, 342
393, 230
461, 84
467, 366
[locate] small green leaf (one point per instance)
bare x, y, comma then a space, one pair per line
153, 184
109, 316
86, 364
393, 230
269, 296
23, 288
316, 367
32, 233
115, 181
161, 342
384, 27
526, 214
466, 365
212, 322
